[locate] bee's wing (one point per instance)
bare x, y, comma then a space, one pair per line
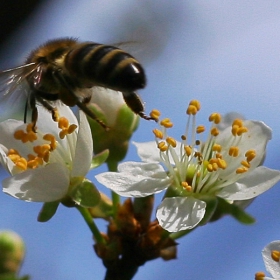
14, 90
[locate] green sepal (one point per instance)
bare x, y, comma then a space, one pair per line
47, 211
211, 206
99, 159
85, 194
224, 207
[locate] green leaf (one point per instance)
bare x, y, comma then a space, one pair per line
86, 194
48, 210
99, 159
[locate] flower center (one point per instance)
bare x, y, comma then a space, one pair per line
41, 153
200, 166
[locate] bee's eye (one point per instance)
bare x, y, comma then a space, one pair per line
42, 59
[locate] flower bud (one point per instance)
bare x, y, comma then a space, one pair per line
11, 252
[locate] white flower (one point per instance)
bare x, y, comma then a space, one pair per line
45, 165
226, 164
271, 255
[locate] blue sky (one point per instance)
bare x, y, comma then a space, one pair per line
224, 53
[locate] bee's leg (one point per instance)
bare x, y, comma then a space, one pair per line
31, 102
90, 113
81, 104
50, 108
134, 102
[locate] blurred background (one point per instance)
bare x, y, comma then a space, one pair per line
224, 53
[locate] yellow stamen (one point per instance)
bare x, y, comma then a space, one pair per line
241, 170
21, 163
242, 130
233, 151
245, 163
195, 103
171, 141
215, 117
222, 163
250, 155
162, 146
215, 131
217, 148
191, 110
186, 186
200, 129
155, 114
188, 150
158, 133
72, 128
259, 275
51, 138
275, 255
166, 123
63, 123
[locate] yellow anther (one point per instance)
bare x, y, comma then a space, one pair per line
62, 133
250, 155
32, 164
242, 130
63, 123
55, 115
215, 117
200, 129
237, 122
171, 141
19, 134
233, 151
245, 163
21, 163
14, 157
210, 167
186, 186
162, 146
217, 148
222, 163
275, 255
155, 114
72, 128
166, 123
158, 133
192, 110
13, 152
195, 103
259, 275
234, 130
218, 155
241, 170
29, 127
188, 150
51, 138
31, 136
215, 131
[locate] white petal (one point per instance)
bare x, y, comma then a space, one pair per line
148, 151
140, 179
43, 184
256, 138
272, 266
252, 185
109, 101
180, 213
5, 161
84, 149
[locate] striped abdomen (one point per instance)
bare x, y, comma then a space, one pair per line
105, 66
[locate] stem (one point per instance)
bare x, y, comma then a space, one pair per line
89, 220
113, 167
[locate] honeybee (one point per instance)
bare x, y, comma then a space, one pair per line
66, 70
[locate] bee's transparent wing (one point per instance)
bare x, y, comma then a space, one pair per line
14, 91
